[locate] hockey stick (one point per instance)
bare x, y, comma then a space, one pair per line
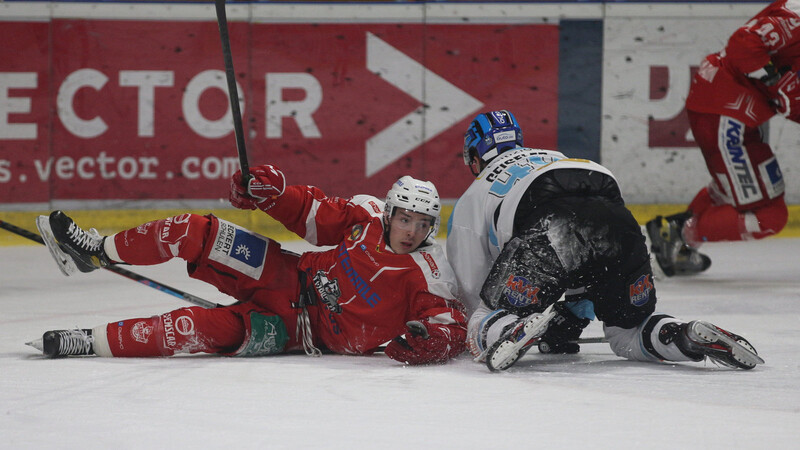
124, 272
233, 91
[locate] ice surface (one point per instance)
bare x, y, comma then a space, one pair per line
590, 400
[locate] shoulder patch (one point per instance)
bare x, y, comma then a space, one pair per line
432, 264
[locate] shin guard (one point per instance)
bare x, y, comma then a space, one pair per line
186, 330
160, 240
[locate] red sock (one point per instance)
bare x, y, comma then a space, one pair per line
161, 240
725, 223
186, 330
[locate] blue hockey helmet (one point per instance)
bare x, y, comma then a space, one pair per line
490, 134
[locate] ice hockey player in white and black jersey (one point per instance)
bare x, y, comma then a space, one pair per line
536, 225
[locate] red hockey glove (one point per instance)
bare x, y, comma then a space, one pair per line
787, 98
431, 344
264, 186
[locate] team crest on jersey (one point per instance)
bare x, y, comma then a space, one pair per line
328, 291
520, 292
432, 264
640, 290
355, 232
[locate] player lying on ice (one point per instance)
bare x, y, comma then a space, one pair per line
386, 280
536, 225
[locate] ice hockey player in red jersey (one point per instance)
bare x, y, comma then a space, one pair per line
734, 92
386, 280
536, 225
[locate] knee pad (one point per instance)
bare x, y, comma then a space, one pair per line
184, 235
186, 330
726, 223
766, 220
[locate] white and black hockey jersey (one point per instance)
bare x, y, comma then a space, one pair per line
483, 218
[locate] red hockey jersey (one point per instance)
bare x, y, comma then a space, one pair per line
722, 85
366, 292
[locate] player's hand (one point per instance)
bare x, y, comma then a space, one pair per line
422, 344
787, 98
769, 74
563, 331
266, 183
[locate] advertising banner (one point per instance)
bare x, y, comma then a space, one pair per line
130, 110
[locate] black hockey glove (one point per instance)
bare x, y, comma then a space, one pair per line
563, 332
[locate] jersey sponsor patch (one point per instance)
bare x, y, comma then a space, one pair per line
361, 286
640, 290
239, 249
520, 292
740, 169
772, 176
184, 325
432, 264
375, 207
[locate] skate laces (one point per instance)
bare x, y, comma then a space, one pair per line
74, 342
87, 240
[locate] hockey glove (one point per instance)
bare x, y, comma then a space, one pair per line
266, 183
769, 74
787, 96
423, 344
562, 332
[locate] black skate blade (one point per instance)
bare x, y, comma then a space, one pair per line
65, 262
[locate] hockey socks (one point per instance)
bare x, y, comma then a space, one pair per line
160, 240
715, 223
186, 330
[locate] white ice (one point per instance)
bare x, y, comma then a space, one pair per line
590, 400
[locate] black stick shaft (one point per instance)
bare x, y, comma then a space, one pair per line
124, 272
233, 91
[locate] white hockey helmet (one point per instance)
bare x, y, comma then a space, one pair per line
414, 195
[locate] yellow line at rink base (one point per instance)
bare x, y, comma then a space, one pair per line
112, 221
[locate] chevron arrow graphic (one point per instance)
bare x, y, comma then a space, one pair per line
447, 105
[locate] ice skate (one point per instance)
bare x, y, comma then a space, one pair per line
518, 340
65, 262
84, 247
673, 255
56, 343
702, 339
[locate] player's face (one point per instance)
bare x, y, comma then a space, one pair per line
407, 230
